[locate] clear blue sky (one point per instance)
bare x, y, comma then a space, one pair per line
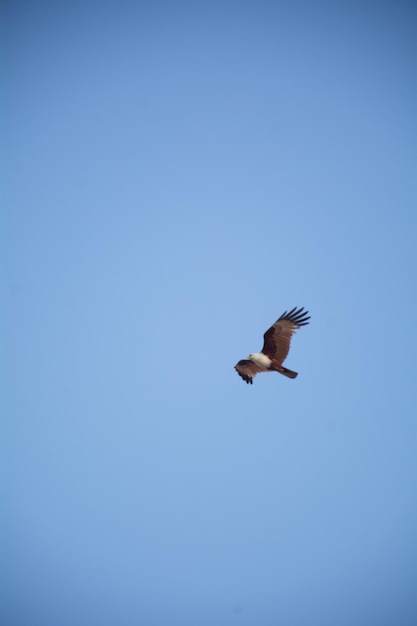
178, 174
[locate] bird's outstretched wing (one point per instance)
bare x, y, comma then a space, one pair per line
247, 370
277, 339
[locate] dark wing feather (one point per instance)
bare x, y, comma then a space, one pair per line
277, 339
247, 370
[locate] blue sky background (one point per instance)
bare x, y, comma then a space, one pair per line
177, 175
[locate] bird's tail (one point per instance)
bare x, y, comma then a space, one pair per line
287, 372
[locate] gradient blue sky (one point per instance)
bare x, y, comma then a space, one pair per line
178, 174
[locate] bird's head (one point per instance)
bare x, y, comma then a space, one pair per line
260, 359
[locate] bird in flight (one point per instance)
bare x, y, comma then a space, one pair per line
276, 347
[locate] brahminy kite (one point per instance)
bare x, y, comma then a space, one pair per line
276, 347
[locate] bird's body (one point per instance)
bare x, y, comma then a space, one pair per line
275, 349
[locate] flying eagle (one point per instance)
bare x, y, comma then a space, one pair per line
276, 347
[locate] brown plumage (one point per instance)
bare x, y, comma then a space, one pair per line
276, 346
